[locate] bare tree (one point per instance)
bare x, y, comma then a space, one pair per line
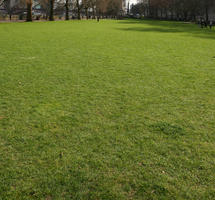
176, 9
67, 9
29, 10
78, 6
51, 10
2, 2
86, 5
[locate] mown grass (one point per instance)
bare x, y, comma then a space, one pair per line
108, 110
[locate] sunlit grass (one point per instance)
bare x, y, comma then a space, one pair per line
108, 110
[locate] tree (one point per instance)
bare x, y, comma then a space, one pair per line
67, 9
108, 7
44, 4
114, 7
86, 5
93, 6
78, 9
51, 10
29, 10
178, 9
206, 5
9, 7
2, 2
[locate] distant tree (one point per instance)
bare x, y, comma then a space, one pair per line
29, 10
51, 10
114, 7
175, 9
138, 8
67, 9
108, 7
86, 5
9, 7
44, 4
2, 2
78, 6
206, 5
93, 7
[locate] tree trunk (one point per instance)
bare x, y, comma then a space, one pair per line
67, 9
194, 17
157, 13
86, 13
78, 7
149, 8
29, 11
51, 10
166, 11
206, 14
185, 15
94, 15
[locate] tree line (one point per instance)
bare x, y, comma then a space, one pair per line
175, 9
50, 8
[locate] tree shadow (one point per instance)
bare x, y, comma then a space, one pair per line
145, 29
193, 30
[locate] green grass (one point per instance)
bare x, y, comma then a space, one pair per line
108, 110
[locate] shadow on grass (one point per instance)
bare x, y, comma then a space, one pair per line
168, 27
146, 29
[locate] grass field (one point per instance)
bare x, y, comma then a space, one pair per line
110, 110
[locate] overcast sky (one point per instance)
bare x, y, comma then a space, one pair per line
132, 1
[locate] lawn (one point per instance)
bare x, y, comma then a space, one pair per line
112, 110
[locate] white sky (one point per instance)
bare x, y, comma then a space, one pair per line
132, 1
